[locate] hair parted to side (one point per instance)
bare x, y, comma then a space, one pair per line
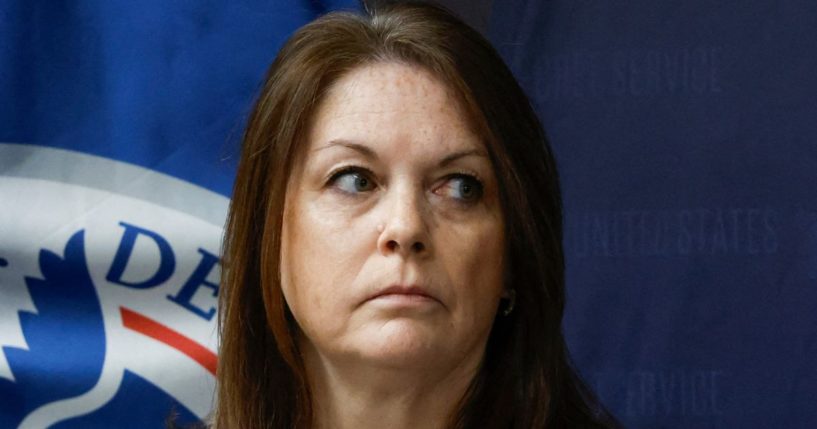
526, 380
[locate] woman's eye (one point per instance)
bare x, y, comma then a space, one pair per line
462, 187
352, 181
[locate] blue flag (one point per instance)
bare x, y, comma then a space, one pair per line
684, 131
119, 134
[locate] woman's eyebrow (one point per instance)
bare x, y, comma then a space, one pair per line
370, 153
462, 154
363, 149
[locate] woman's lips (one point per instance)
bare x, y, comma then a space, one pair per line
400, 294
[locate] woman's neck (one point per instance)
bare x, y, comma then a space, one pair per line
354, 395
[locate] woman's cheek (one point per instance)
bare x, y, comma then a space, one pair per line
331, 248
480, 265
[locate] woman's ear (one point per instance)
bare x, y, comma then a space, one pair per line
507, 287
509, 294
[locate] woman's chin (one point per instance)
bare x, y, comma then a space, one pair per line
401, 343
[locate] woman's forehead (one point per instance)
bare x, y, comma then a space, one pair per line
391, 102
392, 79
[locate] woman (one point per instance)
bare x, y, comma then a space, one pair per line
393, 252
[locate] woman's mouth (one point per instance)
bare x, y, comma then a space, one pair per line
403, 295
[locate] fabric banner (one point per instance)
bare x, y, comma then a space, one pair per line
119, 136
687, 145
686, 134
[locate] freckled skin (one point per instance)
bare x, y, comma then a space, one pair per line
339, 248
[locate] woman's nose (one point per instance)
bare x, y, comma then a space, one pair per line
404, 229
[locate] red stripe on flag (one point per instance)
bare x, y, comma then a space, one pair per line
147, 326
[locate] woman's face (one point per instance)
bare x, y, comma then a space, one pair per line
393, 237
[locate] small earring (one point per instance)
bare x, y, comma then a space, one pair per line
511, 302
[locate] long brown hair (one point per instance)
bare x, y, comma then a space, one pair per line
525, 380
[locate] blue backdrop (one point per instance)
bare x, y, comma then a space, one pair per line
686, 135
687, 139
